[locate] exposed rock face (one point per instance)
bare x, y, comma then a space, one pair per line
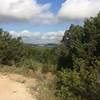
67, 36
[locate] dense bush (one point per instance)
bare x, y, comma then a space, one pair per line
14, 52
45, 56
11, 49
80, 77
79, 85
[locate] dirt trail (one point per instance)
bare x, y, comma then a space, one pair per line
15, 87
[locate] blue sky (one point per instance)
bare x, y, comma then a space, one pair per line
56, 4
20, 26
44, 21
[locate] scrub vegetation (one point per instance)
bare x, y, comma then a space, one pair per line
75, 62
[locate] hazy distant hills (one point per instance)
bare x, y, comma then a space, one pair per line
45, 45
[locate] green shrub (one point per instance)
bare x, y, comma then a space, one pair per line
11, 49
29, 64
80, 80
49, 67
82, 85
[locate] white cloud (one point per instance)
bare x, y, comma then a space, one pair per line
79, 9
25, 10
31, 11
38, 37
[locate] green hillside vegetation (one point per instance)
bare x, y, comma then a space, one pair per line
80, 62
76, 61
14, 52
11, 49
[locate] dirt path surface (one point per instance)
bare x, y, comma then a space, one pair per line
15, 87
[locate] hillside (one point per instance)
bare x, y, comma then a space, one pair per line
66, 71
